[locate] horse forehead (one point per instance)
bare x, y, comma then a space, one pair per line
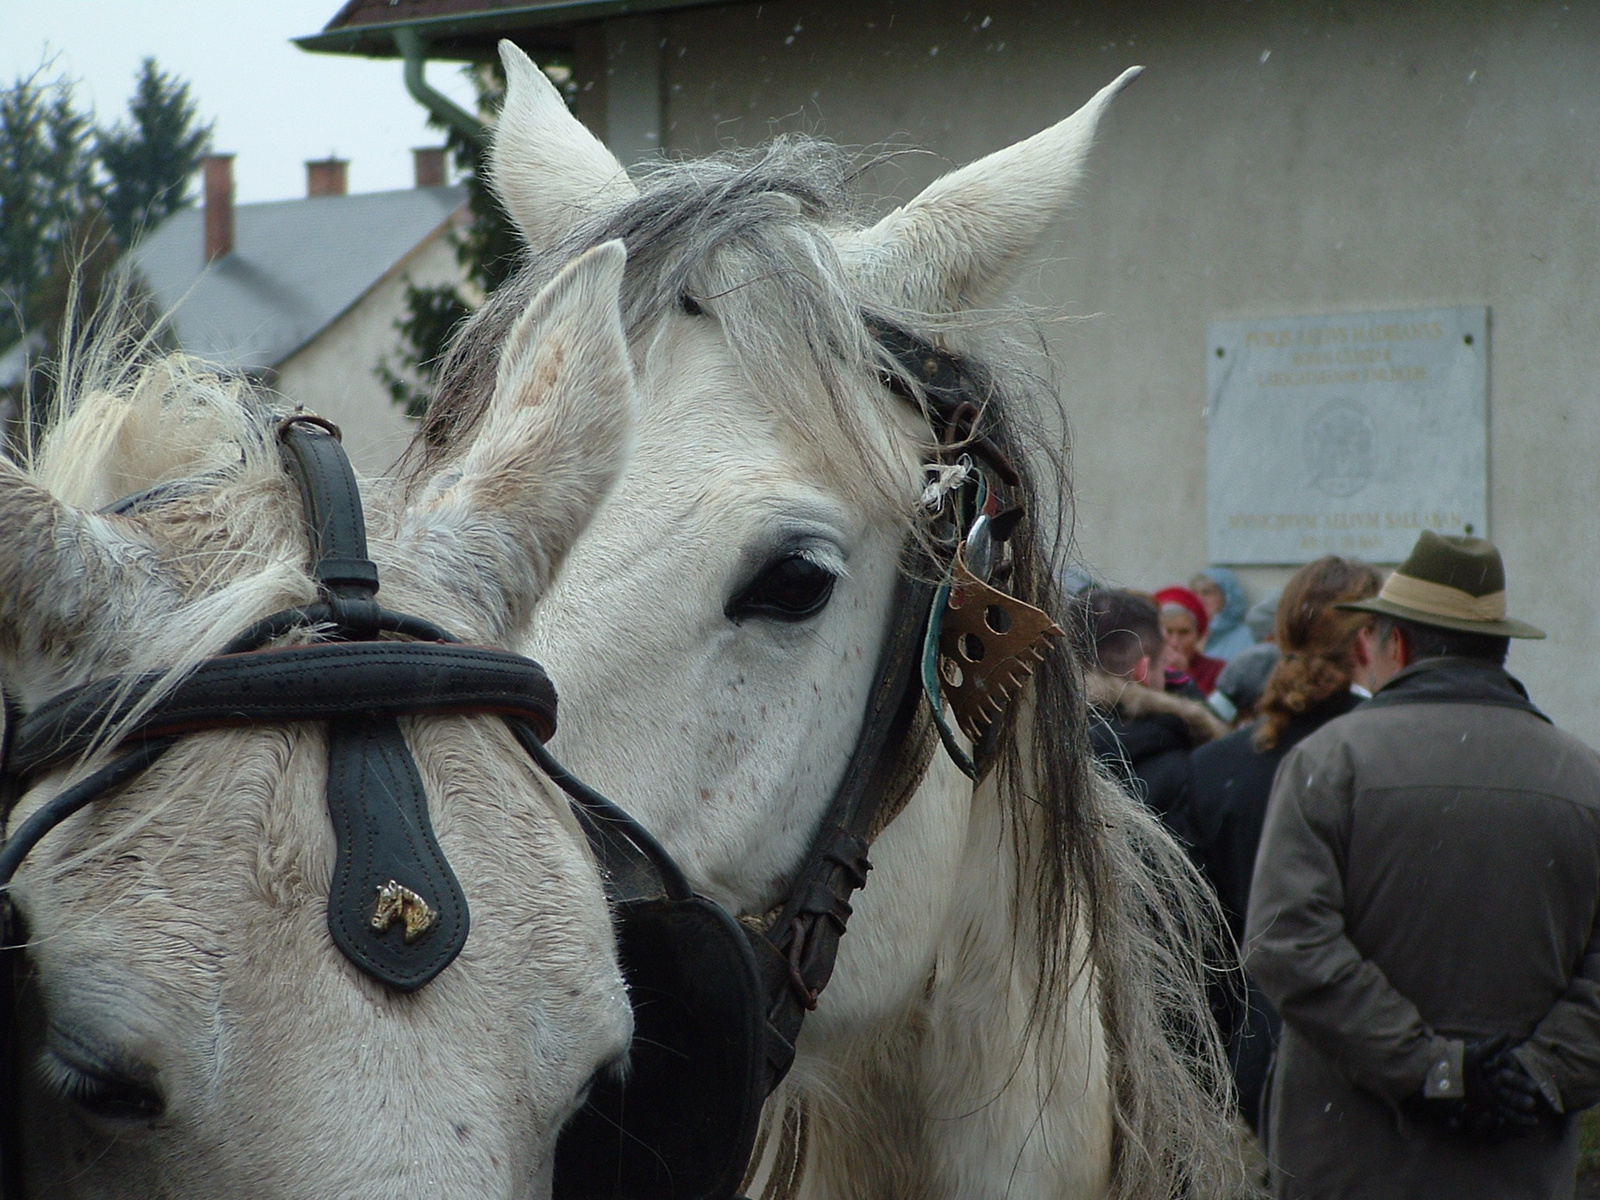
214, 912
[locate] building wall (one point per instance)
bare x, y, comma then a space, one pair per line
334, 374
1274, 159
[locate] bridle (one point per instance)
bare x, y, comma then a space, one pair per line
718, 1004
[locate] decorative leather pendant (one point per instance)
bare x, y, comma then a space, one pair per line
988, 646
390, 870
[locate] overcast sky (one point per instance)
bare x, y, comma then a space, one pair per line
274, 105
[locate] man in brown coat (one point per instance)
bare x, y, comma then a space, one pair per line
1424, 914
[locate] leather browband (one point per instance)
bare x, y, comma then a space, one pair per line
303, 683
389, 867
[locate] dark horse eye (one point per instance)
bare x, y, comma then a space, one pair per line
114, 1098
791, 588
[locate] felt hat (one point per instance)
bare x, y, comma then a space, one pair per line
1449, 582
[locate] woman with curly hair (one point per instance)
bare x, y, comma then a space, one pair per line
1314, 681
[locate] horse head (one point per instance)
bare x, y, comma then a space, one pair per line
185, 1025
727, 605
1003, 1005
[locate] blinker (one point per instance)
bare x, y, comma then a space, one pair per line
989, 645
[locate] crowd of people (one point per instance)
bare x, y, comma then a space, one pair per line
1405, 849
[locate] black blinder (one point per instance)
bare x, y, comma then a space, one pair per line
681, 1124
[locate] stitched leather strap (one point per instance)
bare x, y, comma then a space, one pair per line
389, 869
320, 682
796, 956
334, 517
797, 951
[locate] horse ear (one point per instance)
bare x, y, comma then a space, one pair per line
960, 242
548, 170
550, 445
73, 587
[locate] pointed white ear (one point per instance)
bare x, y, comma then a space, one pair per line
960, 242
74, 588
548, 170
549, 447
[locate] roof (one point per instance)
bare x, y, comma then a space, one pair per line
296, 266
469, 29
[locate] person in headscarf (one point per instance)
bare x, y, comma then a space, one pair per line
1263, 617
1184, 622
1223, 595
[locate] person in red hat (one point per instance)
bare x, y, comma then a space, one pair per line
1183, 625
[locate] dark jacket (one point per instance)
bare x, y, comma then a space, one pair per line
1429, 872
1144, 738
1222, 819
1231, 781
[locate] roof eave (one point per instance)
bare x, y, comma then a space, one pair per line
471, 37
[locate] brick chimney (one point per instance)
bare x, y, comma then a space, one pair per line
218, 169
429, 163
327, 177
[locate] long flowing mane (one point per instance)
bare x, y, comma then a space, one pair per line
1099, 886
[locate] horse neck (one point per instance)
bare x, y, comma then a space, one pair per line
963, 1093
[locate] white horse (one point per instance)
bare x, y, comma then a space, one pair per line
187, 1027
1016, 1009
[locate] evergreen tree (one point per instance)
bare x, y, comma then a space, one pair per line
72, 199
488, 249
47, 183
149, 161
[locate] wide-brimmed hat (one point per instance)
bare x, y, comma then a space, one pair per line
1449, 582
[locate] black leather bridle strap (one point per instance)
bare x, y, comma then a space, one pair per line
796, 956
320, 682
952, 394
334, 516
797, 951
388, 862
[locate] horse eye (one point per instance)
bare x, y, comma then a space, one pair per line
690, 305
111, 1097
791, 589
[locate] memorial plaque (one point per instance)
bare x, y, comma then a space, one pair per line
1345, 434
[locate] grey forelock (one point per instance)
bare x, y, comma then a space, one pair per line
745, 232
713, 229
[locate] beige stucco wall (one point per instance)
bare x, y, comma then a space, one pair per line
1290, 158
333, 374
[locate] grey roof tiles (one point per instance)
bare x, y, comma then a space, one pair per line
295, 267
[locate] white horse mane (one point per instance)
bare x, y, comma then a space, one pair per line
752, 235
125, 420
